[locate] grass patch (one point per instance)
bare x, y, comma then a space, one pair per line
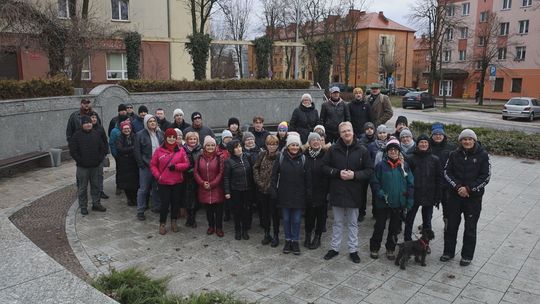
499, 142
133, 286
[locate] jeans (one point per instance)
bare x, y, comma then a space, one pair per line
381, 215
214, 215
169, 195
342, 217
147, 182
291, 223
427, 214
85, 176
471, 208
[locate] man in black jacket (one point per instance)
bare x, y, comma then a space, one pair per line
74, 121
198, 127
347, 164
87, 148
333, 112
360, 111
122, 111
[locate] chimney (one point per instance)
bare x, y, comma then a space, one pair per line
382, 17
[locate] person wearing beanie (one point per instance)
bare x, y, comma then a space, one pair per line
426, 169
147, 141
127, 171
74, 121
197, 126
304, 117
467, 172
193, 150
367, 135
333, 112
401, 123
88, 150
238, 187
319, 128
393, 184
233, 125
122, 112
259, 132
290, 186
179, 137
226, 137
167, 166
347, 164
137, 121
282, 130
360, 111
208, 172
250, 147
179, 121
407, 142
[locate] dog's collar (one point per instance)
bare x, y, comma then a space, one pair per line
424, 244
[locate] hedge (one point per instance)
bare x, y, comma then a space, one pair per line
499, 142
18, 89
184, 85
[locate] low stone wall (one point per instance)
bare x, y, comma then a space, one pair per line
40, 124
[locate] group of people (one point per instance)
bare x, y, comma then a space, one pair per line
313, 161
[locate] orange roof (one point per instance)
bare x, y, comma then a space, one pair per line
421, 43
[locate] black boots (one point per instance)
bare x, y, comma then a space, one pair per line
275, 240
245, 235
316, 243
267, 238
238, 235
308, 242
190, 221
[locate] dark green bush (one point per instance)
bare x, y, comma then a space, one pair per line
18, 89
200, 85
499, 142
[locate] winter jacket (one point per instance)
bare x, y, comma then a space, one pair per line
87, 148
137, 124
291, 181
210, 170
260, 137
470, 169
113, 136
203, 131
393, 184
112, 124
303, 121
319, 181
347, 193
262, 171
143, 147
102, 134
376, 150
74, 122
365, 140
183, 126
381, 109
442, 150
238, 174
426, 169
163, 124
332, 114
161, 162
252, 153
127, 173
360, 112
222, 150
191, 187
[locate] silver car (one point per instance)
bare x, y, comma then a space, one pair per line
521, 107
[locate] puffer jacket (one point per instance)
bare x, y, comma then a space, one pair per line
87, 148
159, 165
291, 181
211, 170
238, 174
332, 114
393, 184
303, 120
262, 171
319, 181
426, 169
347, 193
470, 169
360, 111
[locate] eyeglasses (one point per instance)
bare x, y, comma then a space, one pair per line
129, 107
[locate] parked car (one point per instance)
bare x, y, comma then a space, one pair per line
521, 107
420, 100
384, 91
401, 91
342, 87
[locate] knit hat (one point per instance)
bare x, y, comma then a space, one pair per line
393, 143
142, 109
208, 140
247, 135
293, 139
467, 133
283, 126
178, 112
125, 123
319, 127
405, 132
403, 120
147, 117
129, 105
233, 121
122, 107
308, 96
170, 132
313, 136
226, 133
195, 115
85, 119
437, 128
369, 125
382, 129
178, 132
422, 137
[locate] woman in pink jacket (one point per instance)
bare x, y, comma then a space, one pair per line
167, 165
208, 174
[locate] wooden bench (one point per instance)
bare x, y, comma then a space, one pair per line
28, 161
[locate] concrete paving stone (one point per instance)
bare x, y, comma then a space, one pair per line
381, 269
452, 278
326, 279
491, 282
343, 267
307, 291
308, 265
401, 286
10, 236
485, 295
517, 296
385, 296
323, 300
422, 298
464, 300
522, 282
363, 283
441, 290
414, 274
230, 283
269, 287
248, 295
284, 298
500, 271
345, 295
289, 276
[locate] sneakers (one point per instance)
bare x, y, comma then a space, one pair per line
330, 254
287, 247
103, 195
390, 255
354, 257
464, 262
141, 216
219, 233
374, 255
295, 247
84, 211
99, 207
210, 230
445, 258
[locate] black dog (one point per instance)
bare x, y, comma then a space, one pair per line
418, 248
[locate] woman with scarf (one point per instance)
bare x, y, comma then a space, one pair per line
209, 177
407, 142
304, 118
127, 176
377, 147
167, 166
193, 151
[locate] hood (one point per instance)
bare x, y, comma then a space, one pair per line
146, 119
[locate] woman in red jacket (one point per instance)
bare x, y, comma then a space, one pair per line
167, 165
208, 174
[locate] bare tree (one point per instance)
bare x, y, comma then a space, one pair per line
236, 13
273, 12
201, 11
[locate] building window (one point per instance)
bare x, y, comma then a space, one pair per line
501, 53
449, 34
450, 10
516, 85
463, 32
116, 66
63, 9
523, 27
499, 83
520, 53
526, 3
120, 10
478, 65
481, 40
506, 4
462, 55
447, 56
465, 9
86, 73
445, 88
504, 27
383, 40
483, 16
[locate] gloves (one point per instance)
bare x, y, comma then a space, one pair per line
171, 168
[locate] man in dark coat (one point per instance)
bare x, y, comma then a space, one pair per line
360, 111
122, 111
198, 127
347, 164
87, 148
467, 171
179, 122
162, 121
74, 121
137, 121
333, 112
304, 118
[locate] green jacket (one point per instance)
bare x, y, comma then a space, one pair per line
393, 185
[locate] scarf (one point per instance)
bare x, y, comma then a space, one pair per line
314, 153
169, 147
